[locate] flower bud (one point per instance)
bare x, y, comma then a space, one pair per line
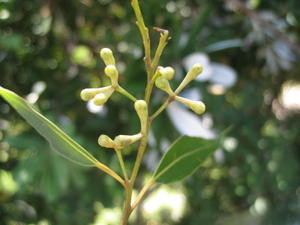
142, 110
191, 75
167, 72
113, 73
89, 93
163, 84
125, 140
106, 141
101, 98
107, 56
197, 106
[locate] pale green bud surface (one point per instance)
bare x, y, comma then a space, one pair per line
112, 72
100, 99
198, 107
105, 141
107, 56
191, 75
89, 93
167, 72
141, 108
195, 71
125, 140
163, 84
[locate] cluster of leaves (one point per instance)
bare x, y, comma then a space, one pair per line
57, 42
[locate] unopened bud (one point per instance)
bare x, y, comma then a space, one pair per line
112, 72
197, 106
167, 72
141, 108
89, 93
101, 98
163, 84
191, 75
107, 56
105, 141
125, 140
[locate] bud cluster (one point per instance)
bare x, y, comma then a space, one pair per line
164, 74
122, 141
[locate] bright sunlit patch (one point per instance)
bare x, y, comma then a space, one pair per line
167, 200
259, 207
32, 97
290, 95
4, 14
100, 110
105, 216
216, 89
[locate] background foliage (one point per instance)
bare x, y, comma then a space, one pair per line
49, 52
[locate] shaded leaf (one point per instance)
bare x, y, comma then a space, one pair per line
57, 139
183, 158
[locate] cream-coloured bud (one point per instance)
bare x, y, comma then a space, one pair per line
122, 141
113, 73
106, 141
107, 56
89, 93
191, 75
197, 106
167, 72
163, 84
101, 98
141, 108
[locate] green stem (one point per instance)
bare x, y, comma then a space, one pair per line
127, 206
162, 108
144, 33
142, 193
125, 93
163, 41
139, 158
122, 164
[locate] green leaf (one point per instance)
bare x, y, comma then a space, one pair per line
183, 158
57, 139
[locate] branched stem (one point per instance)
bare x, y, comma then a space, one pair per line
151, 67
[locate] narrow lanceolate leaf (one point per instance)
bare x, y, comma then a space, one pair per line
183, 158
57, 139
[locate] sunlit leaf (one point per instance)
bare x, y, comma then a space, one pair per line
57, 139
183, 158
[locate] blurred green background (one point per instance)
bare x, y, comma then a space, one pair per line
49, 52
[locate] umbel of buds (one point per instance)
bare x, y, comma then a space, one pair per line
163, 75
167, 73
